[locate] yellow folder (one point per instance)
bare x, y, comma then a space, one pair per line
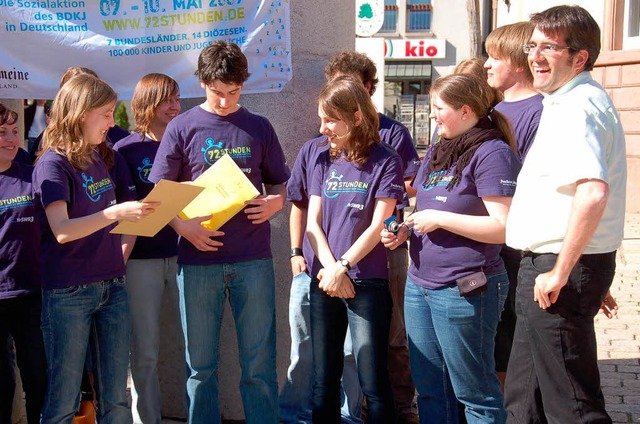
226, 188
172, 197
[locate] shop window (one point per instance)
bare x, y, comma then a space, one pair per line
631, 34
418, 15
390, 16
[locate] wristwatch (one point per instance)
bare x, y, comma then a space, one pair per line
295, 251
345, 263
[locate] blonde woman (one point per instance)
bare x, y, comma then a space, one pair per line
457, 283
84, 301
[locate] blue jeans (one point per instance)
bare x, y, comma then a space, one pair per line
148, 281
20, 323
296, 400
553, 371
451, 343
368, 315
296, 395
95, 315
250, 288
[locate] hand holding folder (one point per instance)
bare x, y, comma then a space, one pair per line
226, 188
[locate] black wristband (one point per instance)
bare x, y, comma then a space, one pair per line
296, 251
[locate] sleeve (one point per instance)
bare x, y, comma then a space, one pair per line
316, 182
402, 142
52, 182
274, 164
496, 171
530, 134
391, 182
297, 184
421, 174
586, 145
168, 161
121, 176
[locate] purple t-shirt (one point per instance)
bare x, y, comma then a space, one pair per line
139, 153
121, 177
298, 184
398, 136
116, 133
348, 193
391, 132
440, 257
193, 142
524, 116
19, 234
93, 258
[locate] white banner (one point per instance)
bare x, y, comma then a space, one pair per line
122, 40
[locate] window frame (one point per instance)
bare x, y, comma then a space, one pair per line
613, 36
630, 42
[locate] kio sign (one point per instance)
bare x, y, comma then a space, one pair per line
416, 48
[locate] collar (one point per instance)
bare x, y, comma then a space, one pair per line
583, 77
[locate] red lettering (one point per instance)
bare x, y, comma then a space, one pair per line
420, 50
410, 50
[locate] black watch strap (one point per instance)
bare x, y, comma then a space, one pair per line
296, 251
345, 263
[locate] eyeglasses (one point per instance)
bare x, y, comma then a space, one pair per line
545, 48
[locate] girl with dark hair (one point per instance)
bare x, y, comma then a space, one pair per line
355, 186
457, 283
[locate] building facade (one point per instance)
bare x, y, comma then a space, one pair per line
421, 40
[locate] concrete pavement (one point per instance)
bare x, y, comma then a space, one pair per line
619, 338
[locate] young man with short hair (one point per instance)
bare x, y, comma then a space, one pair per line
234, 263
508, 72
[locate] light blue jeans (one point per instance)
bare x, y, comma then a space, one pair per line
148, 280
250, 288
296, 395
73, 318
451, 343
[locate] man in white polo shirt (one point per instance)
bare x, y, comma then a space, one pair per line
567, 216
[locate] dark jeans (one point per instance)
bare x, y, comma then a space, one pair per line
507, 324
20, 320
368, 316
553, 370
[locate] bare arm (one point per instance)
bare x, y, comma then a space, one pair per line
297, 225
127, 241
336, 283
67, 229
317, 238
411, 192
589, 203
485, 229
384, 207
334, 279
